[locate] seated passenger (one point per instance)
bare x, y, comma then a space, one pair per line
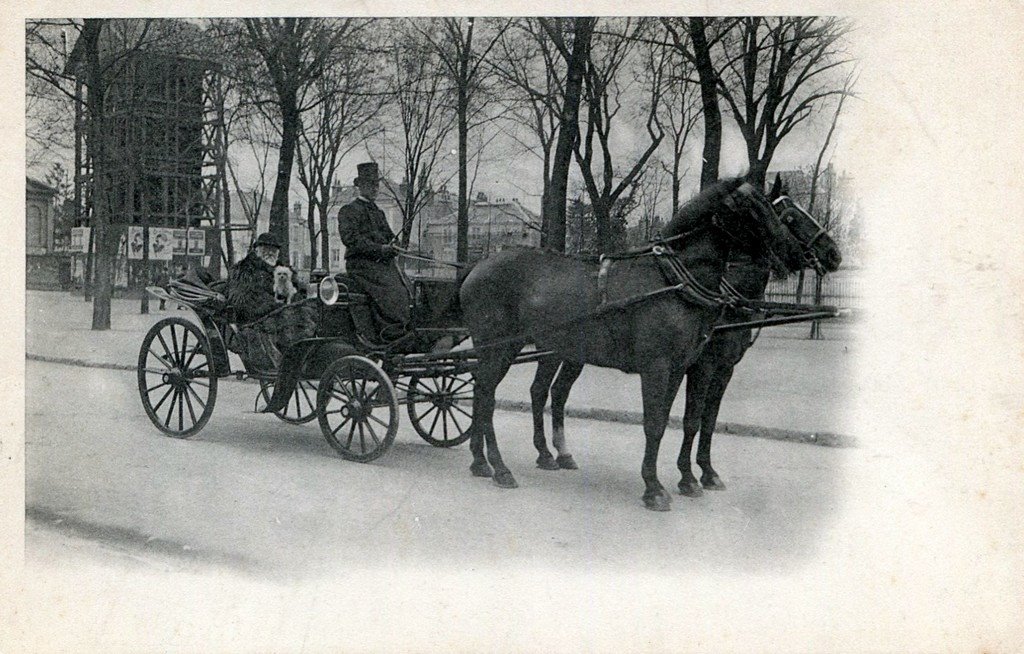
263, 293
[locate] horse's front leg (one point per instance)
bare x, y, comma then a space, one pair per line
696, 388
546, 369
655, 386
567, 375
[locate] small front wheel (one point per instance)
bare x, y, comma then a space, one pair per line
441, 408
301, 408
357, 408
176, 377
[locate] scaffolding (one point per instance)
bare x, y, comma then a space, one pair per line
161, 156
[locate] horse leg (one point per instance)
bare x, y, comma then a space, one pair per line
696, 387
654, 387
546, 369
567, 375
489, 374
709, 478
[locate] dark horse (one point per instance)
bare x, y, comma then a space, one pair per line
520, 296
708, 376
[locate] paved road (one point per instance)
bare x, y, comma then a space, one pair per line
257, 496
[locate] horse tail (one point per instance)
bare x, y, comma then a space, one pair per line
454, 309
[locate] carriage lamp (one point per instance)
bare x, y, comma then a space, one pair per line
328, 291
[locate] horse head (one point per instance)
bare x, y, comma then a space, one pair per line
819, 249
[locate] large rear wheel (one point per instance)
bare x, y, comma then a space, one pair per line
176, 378
357, 408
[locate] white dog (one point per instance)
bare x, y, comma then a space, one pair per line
284, 289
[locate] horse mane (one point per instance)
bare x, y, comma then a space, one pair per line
701, 207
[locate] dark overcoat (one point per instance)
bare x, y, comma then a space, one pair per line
365, 232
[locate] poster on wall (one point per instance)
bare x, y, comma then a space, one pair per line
136, 242
180, 241
161, 243
196, 242
80, 239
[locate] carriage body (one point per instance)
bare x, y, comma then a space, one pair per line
342, 376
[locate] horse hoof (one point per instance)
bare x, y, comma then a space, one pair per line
481, 470
547, 463
713, 482
505, 480
566, 462
690, 489
660, 502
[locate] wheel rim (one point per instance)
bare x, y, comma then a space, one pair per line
357, 408
441, 408
175, 377
301, 407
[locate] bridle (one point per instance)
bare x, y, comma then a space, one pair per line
787, 218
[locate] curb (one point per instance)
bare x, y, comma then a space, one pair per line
826, 439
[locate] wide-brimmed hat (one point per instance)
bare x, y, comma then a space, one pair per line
268, 239
367, 172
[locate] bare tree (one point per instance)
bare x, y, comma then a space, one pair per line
777, 72
575, 55
615, 78
463, 64
527, 65
679, 110
294, 52
420, 125
694, 40
347, 101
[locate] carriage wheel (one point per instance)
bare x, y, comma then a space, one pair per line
301, 408
441, 408
177, 382
358, 409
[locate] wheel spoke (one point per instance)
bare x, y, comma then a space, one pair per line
362, 438
167, 350
456, 423
378, 420
153, 388
184, 349
202, 404
305, 393
191, 409
465, 383
433, 407
169, 366
170, 410
181, 410
373, 434
199, 382
462, 411
344, 421
163, 399
444, 423
351, 433
434, 424
174, 342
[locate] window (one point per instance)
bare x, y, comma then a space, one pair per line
335, 256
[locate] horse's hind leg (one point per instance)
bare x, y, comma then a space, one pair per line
567, 375
489, 373
716, 390
546, 369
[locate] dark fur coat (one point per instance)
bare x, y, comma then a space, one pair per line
250, 294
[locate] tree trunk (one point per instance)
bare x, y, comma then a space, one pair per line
568, 132
462, 222
289, 139
229, 238
100, 211
325, 236
675, 186
311, 215
709, 104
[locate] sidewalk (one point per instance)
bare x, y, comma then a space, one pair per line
786, 387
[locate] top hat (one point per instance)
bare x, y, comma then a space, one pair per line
268, 239
367, 172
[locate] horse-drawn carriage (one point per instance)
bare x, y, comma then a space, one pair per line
351, 383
